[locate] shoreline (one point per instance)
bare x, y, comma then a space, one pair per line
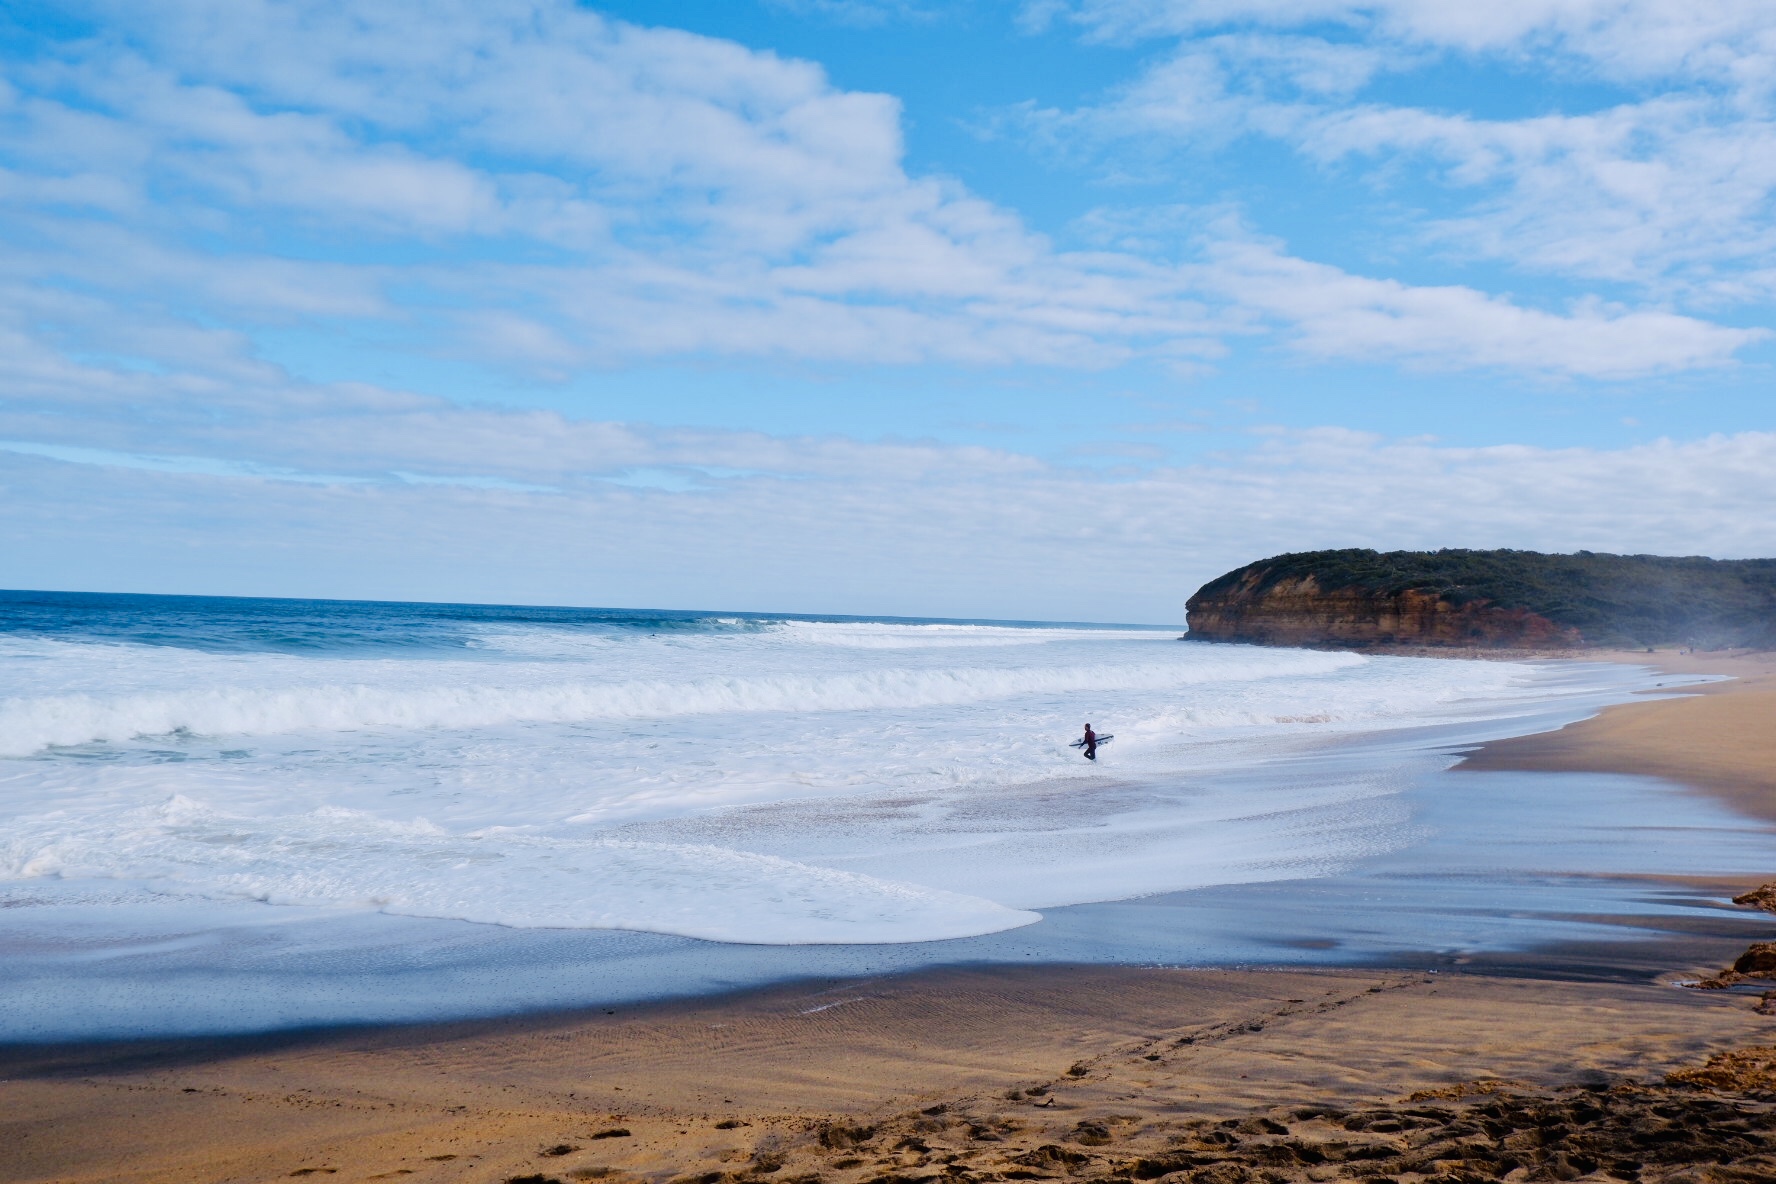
854, 1080
1421, 864
778, 1083
1717, 738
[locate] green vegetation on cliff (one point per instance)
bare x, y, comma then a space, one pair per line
1632, 600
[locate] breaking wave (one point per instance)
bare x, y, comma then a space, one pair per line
31, 724
734, 778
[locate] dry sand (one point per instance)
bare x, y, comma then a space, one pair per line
1007, 1073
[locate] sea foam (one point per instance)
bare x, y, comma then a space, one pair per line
28, 725
350, 859
735, 779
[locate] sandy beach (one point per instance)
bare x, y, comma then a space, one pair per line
1720, 738
1551, 1066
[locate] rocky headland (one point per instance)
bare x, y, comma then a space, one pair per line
1517, 600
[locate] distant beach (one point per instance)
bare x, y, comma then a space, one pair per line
1720, 737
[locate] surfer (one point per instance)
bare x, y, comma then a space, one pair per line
1091, 743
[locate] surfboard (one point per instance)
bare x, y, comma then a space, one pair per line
1102, 740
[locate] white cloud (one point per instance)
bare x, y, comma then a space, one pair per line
239, 480
532, 185
1333, 314
528, 184
1672, 193
841, 526
556, 189
1672, 188
1631, 36
862, 13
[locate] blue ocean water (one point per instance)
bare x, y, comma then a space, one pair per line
193, 790
240, 624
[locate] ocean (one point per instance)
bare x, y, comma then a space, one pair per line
229, 814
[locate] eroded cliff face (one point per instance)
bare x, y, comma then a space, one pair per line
1298, 611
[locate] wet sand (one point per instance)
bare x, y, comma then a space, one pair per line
1018, 1059
1720, 738
1549, 1066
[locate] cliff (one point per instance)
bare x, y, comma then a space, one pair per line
1496, 599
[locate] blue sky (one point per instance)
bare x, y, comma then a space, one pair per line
1044, 308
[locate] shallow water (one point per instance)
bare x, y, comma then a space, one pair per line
1475, 883
222, 815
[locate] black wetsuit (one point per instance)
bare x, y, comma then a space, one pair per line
1091, 745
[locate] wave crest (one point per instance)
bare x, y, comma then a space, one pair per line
29, 725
